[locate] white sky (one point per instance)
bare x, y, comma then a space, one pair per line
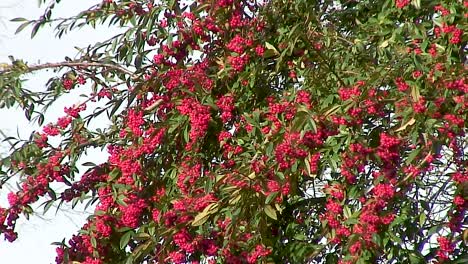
36, 235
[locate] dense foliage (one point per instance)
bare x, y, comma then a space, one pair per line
242, 131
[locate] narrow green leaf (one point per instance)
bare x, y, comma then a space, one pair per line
271, 197
22, 27
125, 239
18, 19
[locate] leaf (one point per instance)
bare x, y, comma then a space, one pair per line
461, 260
414, 258
48, 205
384, 44
142, 236
415, 93
347, 212
332, 110
278, 207
412, 155
138, 61
18, 19
114, 174
142, 249
271, 197
271, 212
35, 29
433, 230
201, 218
465, 236
294, 167
93, 241
125, 239
422, 219
409, 123
395, 238
235, 199
307, 164
272, 48
129, 260
22, 27
417, 5
211, 208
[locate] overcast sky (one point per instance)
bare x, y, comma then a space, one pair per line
36, 235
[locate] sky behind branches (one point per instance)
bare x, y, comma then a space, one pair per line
35, 236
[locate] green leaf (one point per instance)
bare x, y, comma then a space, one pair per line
93, 241
271, 197
416, 258
114, 174
18, 19
22, 27
35, 29
422, 219
130, 260
48, 205
414, 153
125, 239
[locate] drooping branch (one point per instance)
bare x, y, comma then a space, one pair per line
71, 64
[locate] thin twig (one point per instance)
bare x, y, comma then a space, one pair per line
5, 136
71, 64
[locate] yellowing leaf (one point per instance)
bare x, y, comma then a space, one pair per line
271, 212
307, 163
278, 207
271, 47
409, 123
332, 110
201, 218
235, 199
211, 208
415, 93
384, 44
416, 4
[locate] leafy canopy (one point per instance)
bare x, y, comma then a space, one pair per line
245, 131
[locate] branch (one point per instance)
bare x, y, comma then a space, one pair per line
71, 64
5, 136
